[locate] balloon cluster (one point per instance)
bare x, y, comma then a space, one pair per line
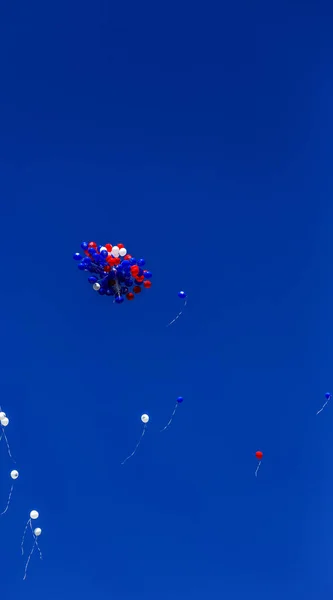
114, 272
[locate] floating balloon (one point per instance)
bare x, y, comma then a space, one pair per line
145, 420
4, 422
328, 396
179, 401
184, 296
113, 272
35, 534
14, 475
259, 456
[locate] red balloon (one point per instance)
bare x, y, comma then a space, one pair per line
137, 289
120, 245
147, 284
140, 278
259, 455
135, 270
108, 247
127, 256
92, 245
130, 296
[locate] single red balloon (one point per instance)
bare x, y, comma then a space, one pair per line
134, 270
259, 455
147, 283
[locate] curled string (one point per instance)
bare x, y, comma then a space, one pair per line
8, 502
36, 541
29, 558
180, 313
257, 469
170, 420
322, 408
137, 446
24, 534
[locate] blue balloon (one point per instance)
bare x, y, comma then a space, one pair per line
84, 245
180, 399
81, 266
141, 262
182, 294
92, 251
148, 275
101, 291
77, 256
92, 279
124, 290
132, 261
119, 299
328, 395
104, 253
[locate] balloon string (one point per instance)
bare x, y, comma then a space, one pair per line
137, 446
8, 502
37, 546
180, 313
257, 469
322, 408
29, 558
24, 534
8, 447
170, 421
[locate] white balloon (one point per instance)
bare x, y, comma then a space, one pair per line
97, 286
14, 474
2, 415
4, 422
37, 531
115, 251
34, 514
102, 248
144, 419
122, 251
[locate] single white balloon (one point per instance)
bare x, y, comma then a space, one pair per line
2, 415
4, 422
122, 252
97, 286
14, 474
37, 531
34, 514
115, 251
145, 418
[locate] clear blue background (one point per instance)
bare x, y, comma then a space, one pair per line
200, 136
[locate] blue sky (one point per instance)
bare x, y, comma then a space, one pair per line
199, 135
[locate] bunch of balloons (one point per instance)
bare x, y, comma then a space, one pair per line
113, 272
